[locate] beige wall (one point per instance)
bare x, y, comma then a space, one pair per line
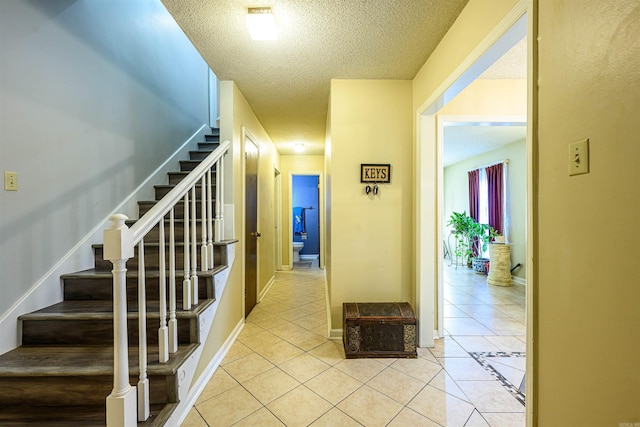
588, 292
233, 128
456, 194
289, 165
371, 236
490, 97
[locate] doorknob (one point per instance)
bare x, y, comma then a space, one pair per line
256, 234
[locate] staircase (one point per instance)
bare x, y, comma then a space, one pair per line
63, 372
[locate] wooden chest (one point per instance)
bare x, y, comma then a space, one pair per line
381, 329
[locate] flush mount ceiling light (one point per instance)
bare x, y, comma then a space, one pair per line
261, 23
299, 148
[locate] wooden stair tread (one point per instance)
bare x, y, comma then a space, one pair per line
101, 309
39, 361
73, 416
150, 273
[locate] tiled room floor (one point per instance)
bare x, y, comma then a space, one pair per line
282, 371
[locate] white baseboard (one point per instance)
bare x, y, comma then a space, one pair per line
309, 257
196, 389
48, 289
335, 334
519, 280
267, 288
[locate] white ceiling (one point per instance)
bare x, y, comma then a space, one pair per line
464, 141
287, 81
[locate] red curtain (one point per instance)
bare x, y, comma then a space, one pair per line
474, 194
495, 190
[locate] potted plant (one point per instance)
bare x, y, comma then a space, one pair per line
471, 239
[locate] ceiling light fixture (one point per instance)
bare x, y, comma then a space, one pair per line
261, 23
299, 148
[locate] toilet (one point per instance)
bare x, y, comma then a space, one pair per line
297, 247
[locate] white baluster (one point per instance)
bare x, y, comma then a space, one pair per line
194, 248
143, 382
118, 248
219, 190
186, 283
173, 322
204, 256
163, 331
210, 219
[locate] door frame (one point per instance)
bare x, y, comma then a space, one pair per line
428, 191
248, 138
428, 187
321, 232
277, 215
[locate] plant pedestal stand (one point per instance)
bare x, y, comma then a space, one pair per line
500, 267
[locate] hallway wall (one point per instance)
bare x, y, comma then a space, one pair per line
371, 236
588, 297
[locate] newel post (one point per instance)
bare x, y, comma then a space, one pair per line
118, 248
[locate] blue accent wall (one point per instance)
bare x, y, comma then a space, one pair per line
305, 195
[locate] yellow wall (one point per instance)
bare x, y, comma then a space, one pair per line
588, 292
233, 128
371, 236
299, 164
490, 97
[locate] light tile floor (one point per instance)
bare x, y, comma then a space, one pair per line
282, 371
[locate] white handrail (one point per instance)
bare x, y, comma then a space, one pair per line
160, 209
119, 243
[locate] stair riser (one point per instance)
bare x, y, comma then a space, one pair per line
208, 146
152, 258
163, 191
82, 289
189, 165
95, 332
212, 138
178, 230
71, 390
199, 155
176, 177
178, 211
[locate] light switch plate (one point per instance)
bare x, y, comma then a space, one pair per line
10, 181
579, 157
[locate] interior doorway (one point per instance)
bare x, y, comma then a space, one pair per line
429, 169
251, 235
277, 214
305, 210
430, 216
305, 219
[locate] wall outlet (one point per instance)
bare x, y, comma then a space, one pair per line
11, 181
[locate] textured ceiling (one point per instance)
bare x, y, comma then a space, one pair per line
286, 81
512, 65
